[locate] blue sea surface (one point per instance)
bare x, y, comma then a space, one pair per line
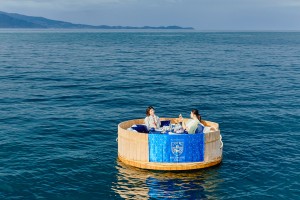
63, 93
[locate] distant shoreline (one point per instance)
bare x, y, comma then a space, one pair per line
141, 30
120, 28
14, 20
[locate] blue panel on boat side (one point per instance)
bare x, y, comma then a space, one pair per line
176, 147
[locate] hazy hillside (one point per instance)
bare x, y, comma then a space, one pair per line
13, 20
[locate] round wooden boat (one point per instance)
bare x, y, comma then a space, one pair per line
134, 148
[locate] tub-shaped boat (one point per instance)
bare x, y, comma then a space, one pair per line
169, 151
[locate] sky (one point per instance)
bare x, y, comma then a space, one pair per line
200, 14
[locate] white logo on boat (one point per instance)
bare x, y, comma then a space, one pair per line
177, 147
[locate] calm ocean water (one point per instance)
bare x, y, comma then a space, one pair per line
62, 94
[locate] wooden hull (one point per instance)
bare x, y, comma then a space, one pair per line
170, 166
133, 149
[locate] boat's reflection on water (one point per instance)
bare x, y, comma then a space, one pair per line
134, 183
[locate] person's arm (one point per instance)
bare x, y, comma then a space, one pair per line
158, 122
147, 122
183, 124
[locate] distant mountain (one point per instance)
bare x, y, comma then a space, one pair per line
13, 20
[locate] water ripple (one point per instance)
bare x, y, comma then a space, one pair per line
62, 94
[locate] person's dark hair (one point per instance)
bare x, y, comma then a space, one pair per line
196, 112
148, 110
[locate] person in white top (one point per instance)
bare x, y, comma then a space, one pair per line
151, 120
192, 123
